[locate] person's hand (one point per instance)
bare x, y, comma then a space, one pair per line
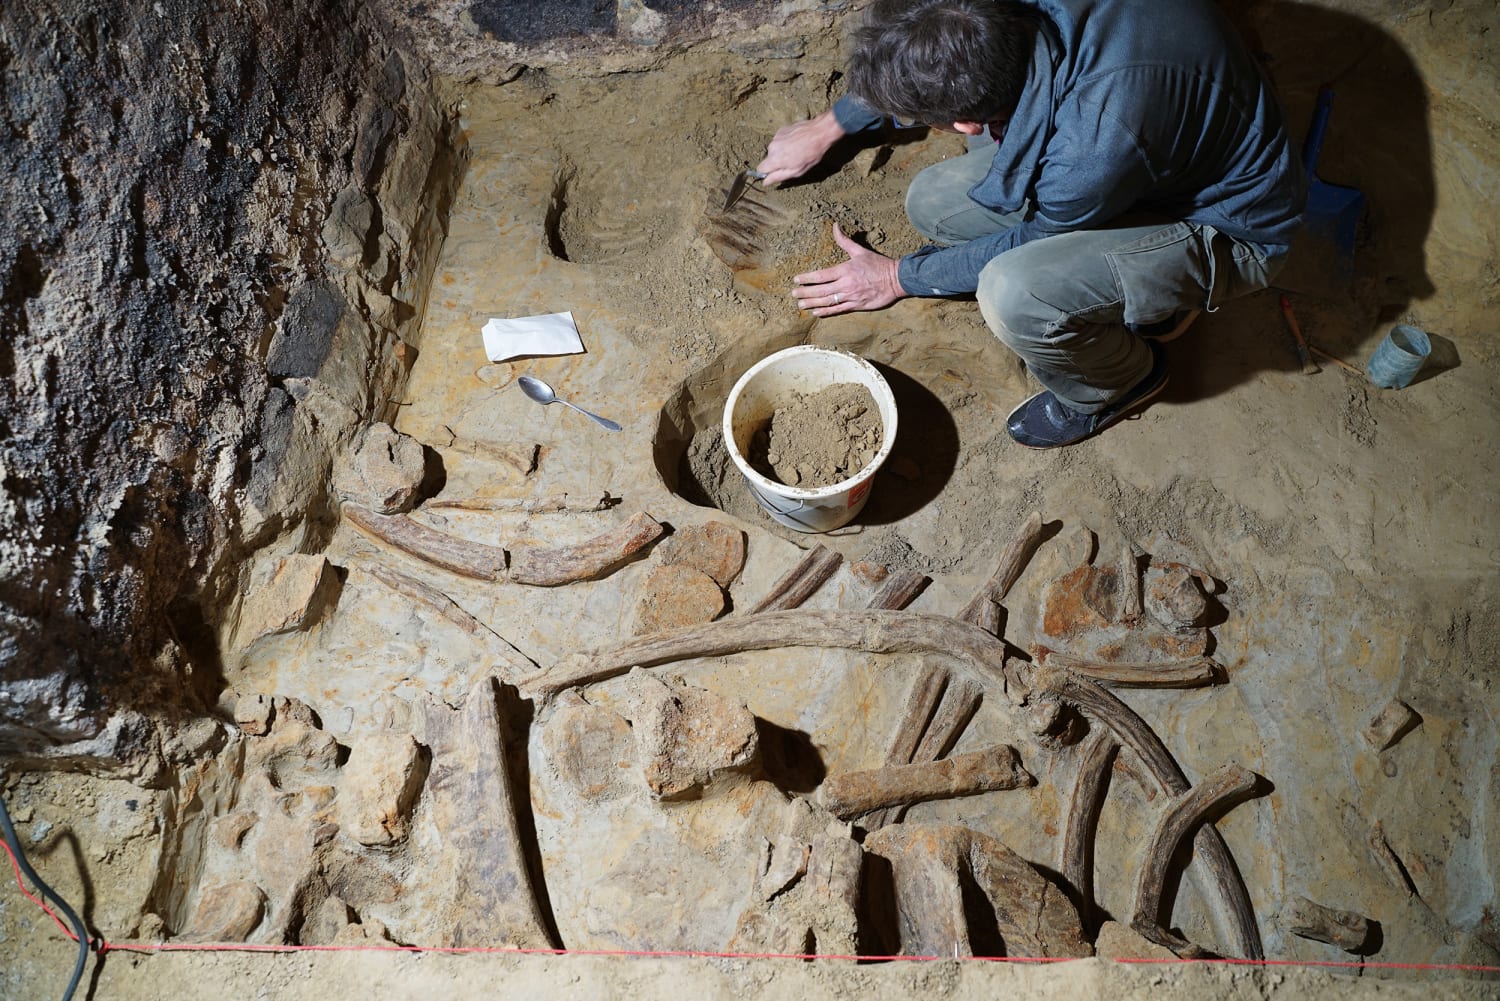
867, 280
795, 149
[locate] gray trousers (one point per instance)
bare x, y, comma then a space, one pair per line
1063, 303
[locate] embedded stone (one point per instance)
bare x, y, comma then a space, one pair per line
675, 595
715, 548
291, 596
229, 832
1120, 941
227, 913
589, 748
378, 787
253, 714
686, 736
1174, 597
326, 922
384, 472
1392, 723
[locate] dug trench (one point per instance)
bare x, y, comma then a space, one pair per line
1217, 683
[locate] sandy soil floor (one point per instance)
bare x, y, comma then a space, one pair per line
1353, 531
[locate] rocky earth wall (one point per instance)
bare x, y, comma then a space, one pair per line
220, 221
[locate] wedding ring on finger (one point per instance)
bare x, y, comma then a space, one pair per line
837, 299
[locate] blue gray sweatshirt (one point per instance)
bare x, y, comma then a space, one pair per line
1129, 105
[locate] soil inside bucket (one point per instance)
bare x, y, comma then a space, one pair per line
819, 439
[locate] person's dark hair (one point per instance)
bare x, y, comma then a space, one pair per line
940, 61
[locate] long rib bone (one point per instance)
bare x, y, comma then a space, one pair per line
799, 583
1012, 562
516, 663
543, 567
1133, 732
1186, 812
1083, 818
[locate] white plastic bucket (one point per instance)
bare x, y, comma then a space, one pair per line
764, 387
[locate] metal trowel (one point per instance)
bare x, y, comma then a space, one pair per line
737, 188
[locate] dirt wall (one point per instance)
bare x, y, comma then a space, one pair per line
216, 218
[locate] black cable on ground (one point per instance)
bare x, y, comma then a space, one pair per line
79, 930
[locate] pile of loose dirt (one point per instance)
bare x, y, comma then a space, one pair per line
819, 439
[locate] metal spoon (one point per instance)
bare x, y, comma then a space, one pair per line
542, 393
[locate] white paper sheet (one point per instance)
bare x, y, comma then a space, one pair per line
552, 334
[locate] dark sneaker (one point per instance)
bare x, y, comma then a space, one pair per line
1166, 330
1044, 421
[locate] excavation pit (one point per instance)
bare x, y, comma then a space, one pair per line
257, 715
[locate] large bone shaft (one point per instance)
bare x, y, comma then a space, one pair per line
550, 567
476, 813
469, 559
855, 793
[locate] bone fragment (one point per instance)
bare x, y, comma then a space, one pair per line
561, 503
1206, 580
1077, 864
1345, 929
1134, 733
855, 793
799, 583
1129, 608
1390, 864
1392, 723
516, 662
549, 567
899, 589
990, 617
844, 629
1131, 674
518, 457
468, 559
1186, 812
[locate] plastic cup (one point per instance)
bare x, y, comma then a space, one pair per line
1399, 357
755, 397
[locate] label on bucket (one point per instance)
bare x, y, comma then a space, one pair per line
858, 493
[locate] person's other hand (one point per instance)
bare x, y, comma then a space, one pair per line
867, 280
795, 149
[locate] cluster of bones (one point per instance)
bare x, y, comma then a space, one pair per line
286, 836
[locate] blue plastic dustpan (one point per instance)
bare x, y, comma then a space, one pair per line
1332, 211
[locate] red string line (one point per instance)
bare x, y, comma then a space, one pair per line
696, 954
103, 947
